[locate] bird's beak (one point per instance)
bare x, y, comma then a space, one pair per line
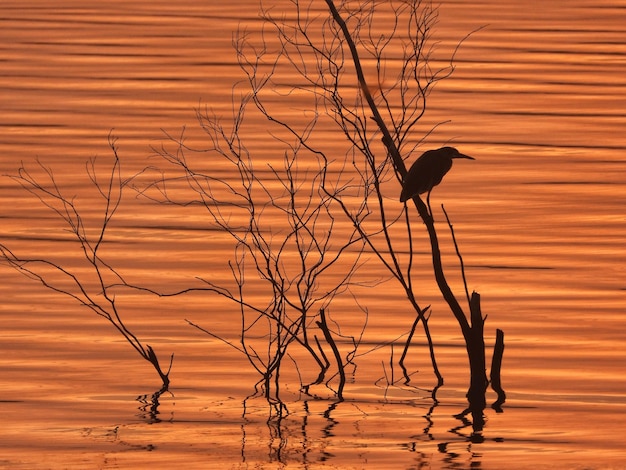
460, 155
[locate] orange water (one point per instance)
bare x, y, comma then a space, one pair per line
538, 97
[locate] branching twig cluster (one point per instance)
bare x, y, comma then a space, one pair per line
385, 109
289, 258
300, 224
93, 287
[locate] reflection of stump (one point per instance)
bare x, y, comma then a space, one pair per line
149, 409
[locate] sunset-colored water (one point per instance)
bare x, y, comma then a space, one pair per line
538, 97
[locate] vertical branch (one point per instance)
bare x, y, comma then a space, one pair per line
331, 342
458, 254
496, 366
401, 170
473, 334
475, 344
387, 138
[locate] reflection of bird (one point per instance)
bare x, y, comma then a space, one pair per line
428, 171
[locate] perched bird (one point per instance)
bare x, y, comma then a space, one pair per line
428, 171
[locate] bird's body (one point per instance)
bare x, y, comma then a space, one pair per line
428, 171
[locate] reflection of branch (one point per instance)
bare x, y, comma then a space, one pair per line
149, 408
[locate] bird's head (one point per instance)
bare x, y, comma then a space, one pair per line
451, 152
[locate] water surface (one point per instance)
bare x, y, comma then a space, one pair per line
537, 96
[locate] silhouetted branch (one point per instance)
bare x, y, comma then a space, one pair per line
392, 142
496, 366
94, 290
331, 342
458, 254
281, 224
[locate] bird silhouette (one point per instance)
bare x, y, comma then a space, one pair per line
428, 171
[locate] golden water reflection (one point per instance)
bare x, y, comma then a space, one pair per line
537, 97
